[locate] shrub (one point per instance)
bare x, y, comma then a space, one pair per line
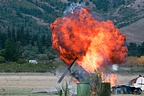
2, 60
42, 57
26, 67
141, 59
132, 60
135, 60
21, 61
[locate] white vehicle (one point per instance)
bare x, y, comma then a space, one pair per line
33, 61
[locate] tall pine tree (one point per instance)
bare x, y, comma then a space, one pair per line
11, 52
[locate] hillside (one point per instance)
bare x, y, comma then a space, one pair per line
32, 14
27, 22
25, 33
134, 32
36, 15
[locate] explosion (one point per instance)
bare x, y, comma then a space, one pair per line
94, 43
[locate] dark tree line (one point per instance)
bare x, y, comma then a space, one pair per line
24, 37
34, 12
14, 43
135, 49
104, 5
20, 43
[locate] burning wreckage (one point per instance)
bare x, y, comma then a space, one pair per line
135, 86
85, 43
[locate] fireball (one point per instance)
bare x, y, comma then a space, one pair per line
94, 43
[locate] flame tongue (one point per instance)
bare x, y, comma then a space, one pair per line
95, 43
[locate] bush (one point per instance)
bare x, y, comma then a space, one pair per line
22, 61
141, 59
135, 60
2, 60
42, 57
27, 67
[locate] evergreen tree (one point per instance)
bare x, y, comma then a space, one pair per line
27, 38
48, 41
133, 49
20, 35
13, 35
40, 46
2, 40
9, 33
11, 52
101, 4
43, 40
141, 49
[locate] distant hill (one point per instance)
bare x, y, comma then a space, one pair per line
37, 15
34, 15
134, 32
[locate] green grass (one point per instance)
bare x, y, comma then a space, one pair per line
20, 92
13, 91
28, 92
28, 67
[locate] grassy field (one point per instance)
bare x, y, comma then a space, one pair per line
29, 84
28, 92
21, 92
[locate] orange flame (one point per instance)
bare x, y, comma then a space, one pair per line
95, 43
110, 78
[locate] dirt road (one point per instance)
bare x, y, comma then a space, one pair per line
28, 80
22, 83
43, 80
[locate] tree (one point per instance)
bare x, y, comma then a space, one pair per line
141, 49
48, 41
2, 60
9, 33
13, 34
43, 40
132, 46
11, 52
133, 49
27, 37
2, 40
20, 35
50, 56
101, 4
